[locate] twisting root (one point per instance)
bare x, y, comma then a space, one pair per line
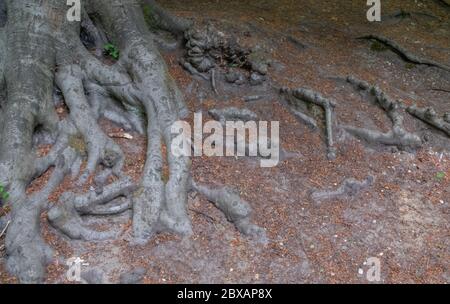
100, 147
430, 116
156, 91
398, 136
26, 250
103, 105
66, 214
309, 96
235, 209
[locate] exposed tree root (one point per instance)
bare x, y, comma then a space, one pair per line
232, 114
235, 209
100, 147
66, 214
398, 136
430, 116
405, 54
166, 20
26, 250
306, 96
349, 187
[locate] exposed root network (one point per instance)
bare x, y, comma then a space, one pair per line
398, 136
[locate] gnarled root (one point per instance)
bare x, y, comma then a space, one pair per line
27, 252
309, 96
398, 136
65, 216
235, 209
100, 147
430, 116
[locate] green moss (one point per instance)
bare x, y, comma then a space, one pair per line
378, 47
77, 142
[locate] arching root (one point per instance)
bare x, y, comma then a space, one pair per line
299, 99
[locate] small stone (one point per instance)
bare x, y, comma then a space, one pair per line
205, 65
360, 271
234, 77
256, 79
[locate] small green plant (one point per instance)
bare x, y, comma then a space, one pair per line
4, 195
111, 50
440, 176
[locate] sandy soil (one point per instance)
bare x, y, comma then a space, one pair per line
402, 219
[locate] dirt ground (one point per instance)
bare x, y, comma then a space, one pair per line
402, 219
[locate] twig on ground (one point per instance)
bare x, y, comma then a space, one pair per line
4, 229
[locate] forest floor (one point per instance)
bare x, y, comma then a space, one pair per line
403, 219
